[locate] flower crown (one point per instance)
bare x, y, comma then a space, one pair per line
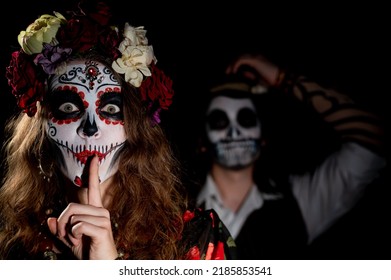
50, 40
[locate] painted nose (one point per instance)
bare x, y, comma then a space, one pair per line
233, 132
90, 128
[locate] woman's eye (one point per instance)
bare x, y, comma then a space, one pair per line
111, 109
68, 107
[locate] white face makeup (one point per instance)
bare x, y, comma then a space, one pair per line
234, 130
86, 119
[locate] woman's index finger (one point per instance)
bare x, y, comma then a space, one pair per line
94, 195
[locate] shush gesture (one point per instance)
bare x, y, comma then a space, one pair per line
87, 144
86, 227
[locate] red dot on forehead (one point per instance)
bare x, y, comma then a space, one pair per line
92, 71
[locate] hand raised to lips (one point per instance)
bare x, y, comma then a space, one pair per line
86, 228
94, 195
85, 177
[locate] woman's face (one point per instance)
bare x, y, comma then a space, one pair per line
86, 119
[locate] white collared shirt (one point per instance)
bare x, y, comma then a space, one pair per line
233, 221
323, 195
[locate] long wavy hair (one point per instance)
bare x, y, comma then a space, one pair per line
147, 196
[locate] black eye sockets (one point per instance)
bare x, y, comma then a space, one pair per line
217, 119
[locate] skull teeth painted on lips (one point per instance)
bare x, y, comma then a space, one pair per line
246, 144
84, 153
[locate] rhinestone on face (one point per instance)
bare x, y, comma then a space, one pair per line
91, 71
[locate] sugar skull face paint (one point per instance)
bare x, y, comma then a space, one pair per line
86, 119
234, 130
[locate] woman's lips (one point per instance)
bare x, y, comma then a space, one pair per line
84, 155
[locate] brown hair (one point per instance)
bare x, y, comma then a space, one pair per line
147, 198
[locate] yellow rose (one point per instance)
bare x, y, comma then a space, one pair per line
42, 30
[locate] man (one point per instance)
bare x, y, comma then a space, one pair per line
280, 224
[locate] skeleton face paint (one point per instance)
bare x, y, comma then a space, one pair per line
234, 130
86, 119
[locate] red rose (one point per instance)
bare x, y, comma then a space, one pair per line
80, 34
109, 41
26, 80
90, 29
96, 10
157, 92
157, 88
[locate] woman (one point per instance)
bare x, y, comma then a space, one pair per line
89, 172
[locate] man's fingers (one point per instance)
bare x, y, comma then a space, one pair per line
94, 195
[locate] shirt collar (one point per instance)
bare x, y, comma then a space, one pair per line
233, 221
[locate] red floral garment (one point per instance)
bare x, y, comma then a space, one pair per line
207, 237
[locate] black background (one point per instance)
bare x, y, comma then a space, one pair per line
344, 46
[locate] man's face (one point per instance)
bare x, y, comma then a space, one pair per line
234, 130
86, 119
